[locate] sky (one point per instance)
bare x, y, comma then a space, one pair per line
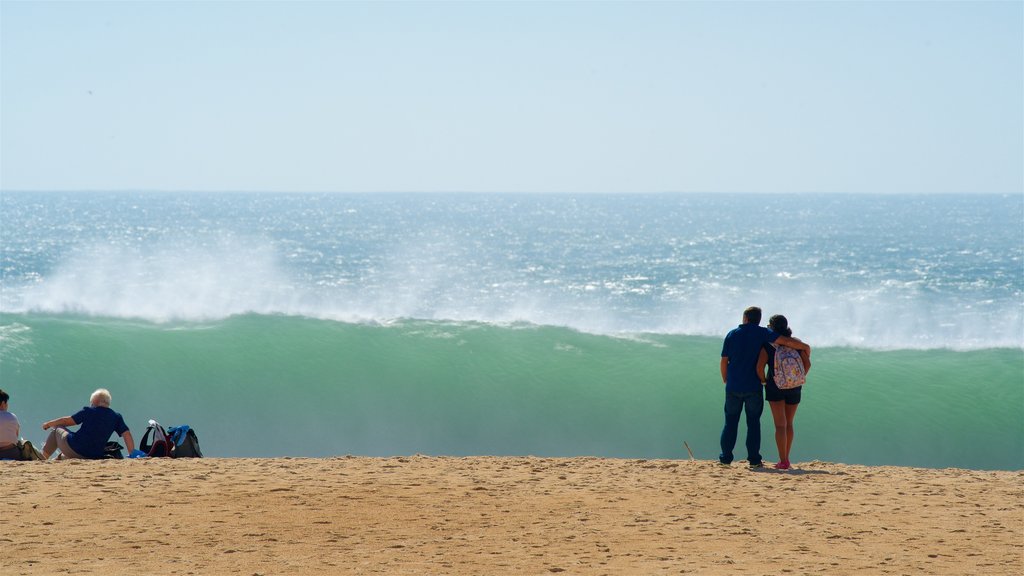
819, 97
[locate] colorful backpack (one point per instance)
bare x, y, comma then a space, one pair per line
155, 442
788, 368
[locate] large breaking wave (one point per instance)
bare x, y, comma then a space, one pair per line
232, 276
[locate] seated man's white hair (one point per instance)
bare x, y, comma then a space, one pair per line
100, 397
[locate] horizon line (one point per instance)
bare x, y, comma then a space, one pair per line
496, 192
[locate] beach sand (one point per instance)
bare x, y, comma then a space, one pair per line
503, 515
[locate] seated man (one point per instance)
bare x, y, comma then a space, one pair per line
97, 422
10, 429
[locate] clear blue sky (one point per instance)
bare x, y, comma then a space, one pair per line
516, 96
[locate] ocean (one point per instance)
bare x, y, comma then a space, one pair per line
512, 324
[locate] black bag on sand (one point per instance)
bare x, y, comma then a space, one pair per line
184, 442
113, 451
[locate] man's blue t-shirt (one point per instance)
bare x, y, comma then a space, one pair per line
96, 425
742, 346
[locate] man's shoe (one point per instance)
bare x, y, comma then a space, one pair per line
756, 464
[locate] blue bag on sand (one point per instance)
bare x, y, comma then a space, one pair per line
137, 454
184, 442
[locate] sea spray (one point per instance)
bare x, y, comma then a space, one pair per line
888, 272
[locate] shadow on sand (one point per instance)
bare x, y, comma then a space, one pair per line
795, 472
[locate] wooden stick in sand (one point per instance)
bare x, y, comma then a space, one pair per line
688, 450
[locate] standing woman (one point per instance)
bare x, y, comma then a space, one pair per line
783, 403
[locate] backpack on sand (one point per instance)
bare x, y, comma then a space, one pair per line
184, 442
788, 368
155, 442
28, 451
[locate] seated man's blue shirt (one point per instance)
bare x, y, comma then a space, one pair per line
96, 425
742, 346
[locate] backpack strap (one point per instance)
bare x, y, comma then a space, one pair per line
145, 437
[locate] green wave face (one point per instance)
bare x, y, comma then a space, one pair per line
287, 386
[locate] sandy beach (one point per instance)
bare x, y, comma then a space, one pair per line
504, 515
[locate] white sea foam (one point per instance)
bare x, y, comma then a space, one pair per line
216, 279
852, 276
179, 282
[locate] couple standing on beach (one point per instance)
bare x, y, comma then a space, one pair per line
744, 356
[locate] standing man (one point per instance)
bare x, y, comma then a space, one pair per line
743, 388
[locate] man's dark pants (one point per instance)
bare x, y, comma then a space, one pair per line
753, 403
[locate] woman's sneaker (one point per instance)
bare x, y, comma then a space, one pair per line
783, 465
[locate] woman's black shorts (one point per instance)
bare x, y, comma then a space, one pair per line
773, 394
